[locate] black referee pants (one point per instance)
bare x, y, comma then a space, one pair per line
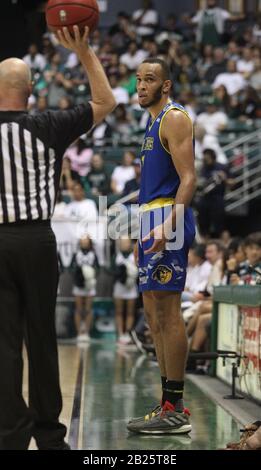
28, 286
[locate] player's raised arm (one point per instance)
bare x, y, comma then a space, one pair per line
103, 101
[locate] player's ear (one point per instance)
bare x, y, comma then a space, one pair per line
167, 86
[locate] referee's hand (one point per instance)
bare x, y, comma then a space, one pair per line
77, 43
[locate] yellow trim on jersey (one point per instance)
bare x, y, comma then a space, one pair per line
166, 112
157, 203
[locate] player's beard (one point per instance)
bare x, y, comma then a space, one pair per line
155, 99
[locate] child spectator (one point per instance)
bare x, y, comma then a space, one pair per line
125, 290
84, 265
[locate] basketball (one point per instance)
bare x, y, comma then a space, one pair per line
60, 13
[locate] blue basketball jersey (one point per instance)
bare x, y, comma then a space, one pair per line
159, 178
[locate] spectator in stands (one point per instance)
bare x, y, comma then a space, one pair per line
150, 47
125, 292
247, 105
249, 271
213, 120
47, 47
41, 104
84, 266
146, 19
236, 256
232, 51
120, 94
186, 73
189, 101
133, 57
55, 65
257, 30
101, 134
245, 65
105, 53
122, 32
122, 124
231, 79
255, 79
98, 179
223, 98
80, 207
68, 176
96, 40
205, 61
211, 210
123, 173
113, 67
218, 66
80, 156
205, 141
133, 184
127, 79
34, 59
197, 273
225, 238
200, 313
65, 102
58, 87
210, 23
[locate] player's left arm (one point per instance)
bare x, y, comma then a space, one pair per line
177, 137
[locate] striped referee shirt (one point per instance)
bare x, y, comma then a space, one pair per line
31, 152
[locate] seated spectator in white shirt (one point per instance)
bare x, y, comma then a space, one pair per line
123, 173
207, 141
197, 274
34, 59
133, 57
81, 208
246, 65
146, 19
232, 80
212, 120
120, 94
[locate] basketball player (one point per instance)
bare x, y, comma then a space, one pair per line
31, 152
167, 180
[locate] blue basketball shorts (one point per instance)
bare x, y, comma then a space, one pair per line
165, 270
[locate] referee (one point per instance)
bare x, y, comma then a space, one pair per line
31, 151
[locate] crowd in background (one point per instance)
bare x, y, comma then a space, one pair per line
215, 63
231, 261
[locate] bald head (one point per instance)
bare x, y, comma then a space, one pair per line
15, 82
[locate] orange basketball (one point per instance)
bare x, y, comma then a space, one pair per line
60, 13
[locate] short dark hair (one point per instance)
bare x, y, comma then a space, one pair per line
164, 66
199, 250
235, 244
211, 153
217, 244
253, 239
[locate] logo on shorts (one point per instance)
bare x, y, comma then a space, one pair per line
63, 15
162, 274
